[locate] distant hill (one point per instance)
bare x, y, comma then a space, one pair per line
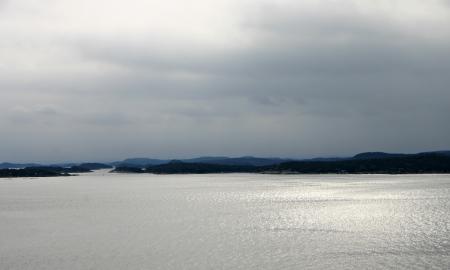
204, 159
367, 162
42, 171
445, 153
138, 162
180, 167
364, 163
64, 165
390, 164
95, 166
32, 172
324, 159
377, 155
125, 169
239, 161
7, 165
73, 169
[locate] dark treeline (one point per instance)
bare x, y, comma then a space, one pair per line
438, 162
421, 163
94, 166
417, 163
182, 167
31, 172
178, 167
43, 171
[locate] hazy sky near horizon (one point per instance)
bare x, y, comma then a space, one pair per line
105, 80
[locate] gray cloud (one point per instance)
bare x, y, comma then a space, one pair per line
275, 78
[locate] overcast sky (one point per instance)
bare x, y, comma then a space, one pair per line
109, 79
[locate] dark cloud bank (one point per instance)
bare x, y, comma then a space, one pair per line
278, 79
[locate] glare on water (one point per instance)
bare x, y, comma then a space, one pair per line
229, 221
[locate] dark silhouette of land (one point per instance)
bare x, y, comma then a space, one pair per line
421, 163
43, 171
180, 167
240, 161
94, 166
370, 162
31, 172
436, 162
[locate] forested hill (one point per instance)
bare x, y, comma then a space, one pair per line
419, 163
370, 162
391, 164
42, 171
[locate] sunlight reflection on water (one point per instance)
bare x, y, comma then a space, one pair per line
234, 221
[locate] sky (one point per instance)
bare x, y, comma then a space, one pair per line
103, 80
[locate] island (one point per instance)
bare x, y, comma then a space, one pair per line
366, 163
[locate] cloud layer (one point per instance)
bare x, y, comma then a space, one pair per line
102, 80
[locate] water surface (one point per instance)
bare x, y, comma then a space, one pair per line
230, 221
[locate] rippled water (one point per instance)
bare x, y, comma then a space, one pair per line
235, 221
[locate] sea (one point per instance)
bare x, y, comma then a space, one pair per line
105, 220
